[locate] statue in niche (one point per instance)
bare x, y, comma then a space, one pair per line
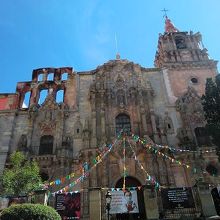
67, 141
48, 115
121, 98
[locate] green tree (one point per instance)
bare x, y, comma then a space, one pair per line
21, 177
211, 106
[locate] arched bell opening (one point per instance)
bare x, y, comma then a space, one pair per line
131, 182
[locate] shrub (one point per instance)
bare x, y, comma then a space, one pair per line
29, 212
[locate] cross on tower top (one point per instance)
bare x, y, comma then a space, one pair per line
165, 12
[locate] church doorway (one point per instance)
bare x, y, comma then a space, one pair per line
132, 182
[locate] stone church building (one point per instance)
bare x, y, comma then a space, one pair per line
70, 116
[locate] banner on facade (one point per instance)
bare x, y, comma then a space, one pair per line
173, 198
68, 205
124, 202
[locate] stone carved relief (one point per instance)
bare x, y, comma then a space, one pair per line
124, 91
190, 108
67, 141
191, 111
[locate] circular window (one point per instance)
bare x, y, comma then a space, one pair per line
194, 80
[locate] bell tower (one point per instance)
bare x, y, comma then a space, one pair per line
184, 60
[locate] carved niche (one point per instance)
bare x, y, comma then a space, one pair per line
50, 112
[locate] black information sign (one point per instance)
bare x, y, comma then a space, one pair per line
173, 198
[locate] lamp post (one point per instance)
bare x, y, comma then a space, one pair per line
108, 198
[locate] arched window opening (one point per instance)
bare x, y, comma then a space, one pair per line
122, 122
43, 96
180, 42
46, 145
64, 76
44, 176
60, 96
202, 136
212, 170
40, 77
50, 77
26, 100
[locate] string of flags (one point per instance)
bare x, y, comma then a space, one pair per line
85, 167
87, 172
185, 150
136, 137
151, 146
148, 144
155, 150
149, 177
104, 189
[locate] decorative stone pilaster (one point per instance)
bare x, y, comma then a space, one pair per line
95, 204
85, 204
153, 122
206, 200
151, 207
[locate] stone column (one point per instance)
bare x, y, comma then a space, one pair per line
102, 114
33, 98
95, 204
144, 123
171, 181
93, 173
206, 200
93, 138
85, 204
151, 207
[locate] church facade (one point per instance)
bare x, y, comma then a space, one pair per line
70, 117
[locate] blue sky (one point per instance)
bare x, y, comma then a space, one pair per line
81, 34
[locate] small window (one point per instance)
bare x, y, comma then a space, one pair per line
26, 101
194, 80
46, 145
43, 96
168, 126
77, 130
64, 76
59, 96
122, 122
212, 170
40, 77
50, 77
